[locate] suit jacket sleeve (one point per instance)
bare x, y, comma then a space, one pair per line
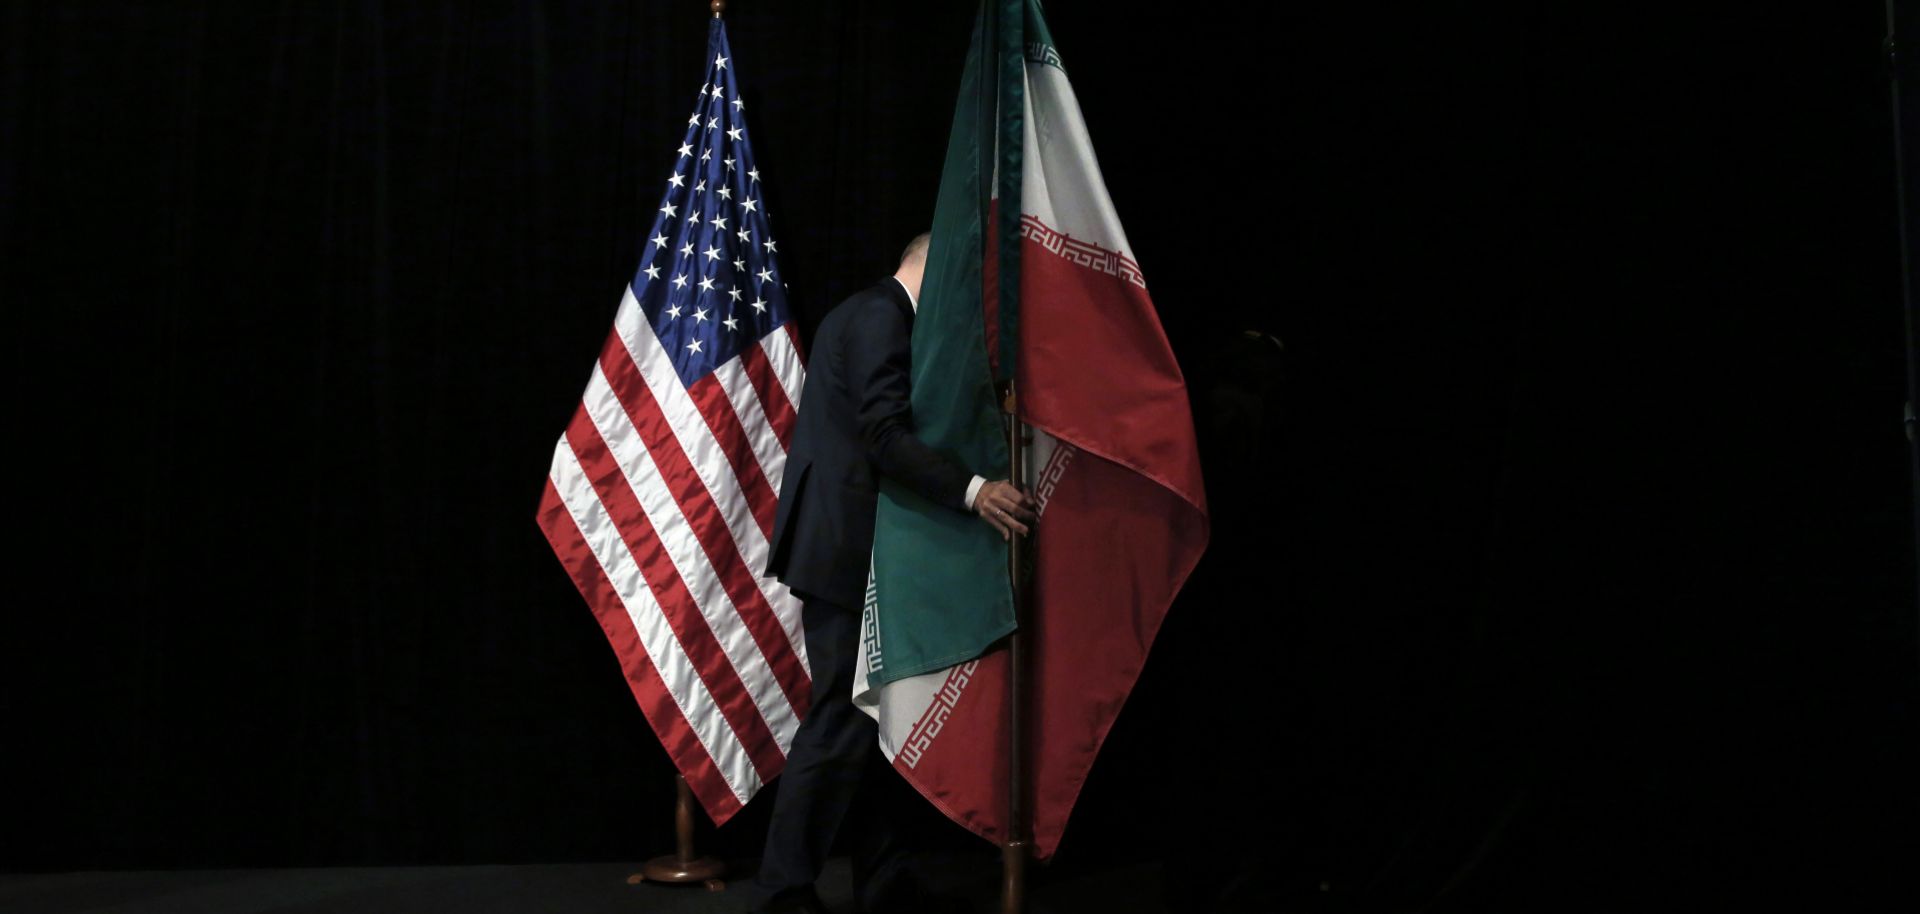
878, 363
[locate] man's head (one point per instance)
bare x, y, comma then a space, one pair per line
913, 263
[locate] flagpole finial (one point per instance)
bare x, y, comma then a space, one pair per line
718, 7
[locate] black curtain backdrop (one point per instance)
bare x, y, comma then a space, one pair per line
1562, 556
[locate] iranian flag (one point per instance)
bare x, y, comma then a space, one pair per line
1048, 295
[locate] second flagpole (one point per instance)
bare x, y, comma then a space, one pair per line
1007, 18
1016, 851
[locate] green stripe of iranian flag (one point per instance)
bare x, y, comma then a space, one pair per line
939, 575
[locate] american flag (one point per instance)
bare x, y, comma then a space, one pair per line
661, 497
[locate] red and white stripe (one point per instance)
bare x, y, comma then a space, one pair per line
660, 503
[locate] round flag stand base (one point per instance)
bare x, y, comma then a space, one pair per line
683, 867
675, 870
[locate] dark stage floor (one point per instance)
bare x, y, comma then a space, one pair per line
582, 888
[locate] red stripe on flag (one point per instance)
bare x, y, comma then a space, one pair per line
1139, 418
1132, 499
1092, 630
696, 637
662, 713
710, 400
793, 332
773, 398
972, 727
703, 516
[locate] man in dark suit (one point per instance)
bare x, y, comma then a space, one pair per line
855, 425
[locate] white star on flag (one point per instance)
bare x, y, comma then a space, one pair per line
693, 346
653, 272
680, 282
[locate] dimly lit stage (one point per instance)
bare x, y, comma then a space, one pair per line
565, 888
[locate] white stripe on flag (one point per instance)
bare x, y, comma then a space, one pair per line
733, 380
708, 458
1061, 182
791, 374
689, 559
670, 659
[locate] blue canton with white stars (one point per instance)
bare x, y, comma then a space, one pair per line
708, 281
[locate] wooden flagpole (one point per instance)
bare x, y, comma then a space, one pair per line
683, 866
1014, 854
1018, 850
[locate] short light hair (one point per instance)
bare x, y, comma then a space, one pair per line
916, 248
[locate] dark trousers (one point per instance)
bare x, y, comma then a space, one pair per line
835, 754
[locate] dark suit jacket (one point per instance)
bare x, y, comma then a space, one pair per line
855, 424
